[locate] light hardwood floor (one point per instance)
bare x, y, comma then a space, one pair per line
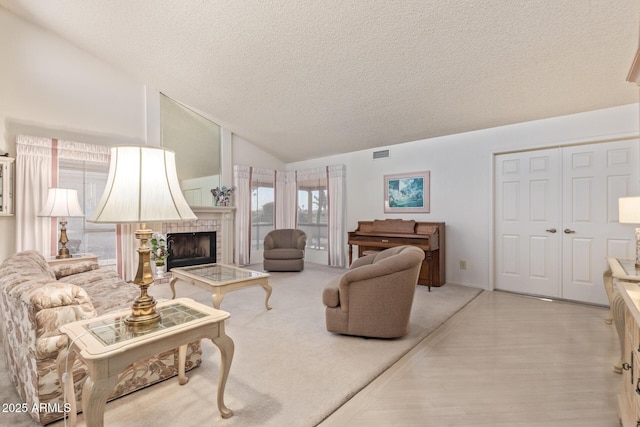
504, 360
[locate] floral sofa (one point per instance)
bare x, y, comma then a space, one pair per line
35, 299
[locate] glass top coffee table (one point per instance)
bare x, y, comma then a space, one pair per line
220, 279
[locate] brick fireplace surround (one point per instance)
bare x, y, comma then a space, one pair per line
210, 218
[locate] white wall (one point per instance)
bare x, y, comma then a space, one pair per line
461, 178
197, 191
247, 154
50, 88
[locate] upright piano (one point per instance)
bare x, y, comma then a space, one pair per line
374, 236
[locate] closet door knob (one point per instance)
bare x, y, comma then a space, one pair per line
551, 230
568, 231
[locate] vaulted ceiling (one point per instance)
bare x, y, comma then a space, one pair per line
304, 79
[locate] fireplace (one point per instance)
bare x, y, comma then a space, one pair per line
193, 248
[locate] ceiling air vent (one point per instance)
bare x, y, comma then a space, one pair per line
380, 154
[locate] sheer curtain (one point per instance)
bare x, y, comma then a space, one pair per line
286, 200
263, 205
311, 186
333, 178
248, 181
34, 175
336, 184
242, 181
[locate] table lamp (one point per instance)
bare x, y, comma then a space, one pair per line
629, 213
142, 187
62, 203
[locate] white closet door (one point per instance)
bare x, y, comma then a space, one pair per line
527, 217
595, 176
557, 218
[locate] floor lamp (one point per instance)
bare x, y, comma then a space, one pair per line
62, 203
142, 187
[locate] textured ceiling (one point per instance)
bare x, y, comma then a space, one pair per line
305, 79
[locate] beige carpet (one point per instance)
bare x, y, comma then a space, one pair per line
287, 369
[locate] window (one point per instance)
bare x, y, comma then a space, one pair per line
312, 213
89, 179
262, 212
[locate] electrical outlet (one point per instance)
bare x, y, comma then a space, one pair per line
463, 265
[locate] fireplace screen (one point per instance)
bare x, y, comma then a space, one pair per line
191, 249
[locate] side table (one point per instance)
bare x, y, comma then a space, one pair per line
624, 270
108, 346
76, 258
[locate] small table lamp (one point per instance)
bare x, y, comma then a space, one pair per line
629, 213
62, 203
142, 187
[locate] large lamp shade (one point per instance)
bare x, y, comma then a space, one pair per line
142, 187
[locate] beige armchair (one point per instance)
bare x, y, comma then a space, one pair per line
374, 298
284, 250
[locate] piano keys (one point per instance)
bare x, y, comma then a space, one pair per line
377, 235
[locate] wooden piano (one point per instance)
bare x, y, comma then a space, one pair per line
376, 235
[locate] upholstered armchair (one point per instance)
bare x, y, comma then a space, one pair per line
374, 297
284, 250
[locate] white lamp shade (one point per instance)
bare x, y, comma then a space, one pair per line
62, 202
142, 187
629, 210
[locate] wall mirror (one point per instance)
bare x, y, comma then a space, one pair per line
196, 142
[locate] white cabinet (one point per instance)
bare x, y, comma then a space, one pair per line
7, 186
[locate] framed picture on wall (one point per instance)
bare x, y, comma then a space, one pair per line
406, 193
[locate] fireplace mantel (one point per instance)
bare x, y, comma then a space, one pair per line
221, 210
211, 218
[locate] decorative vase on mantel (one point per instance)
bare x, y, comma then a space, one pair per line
160, 270
222, 195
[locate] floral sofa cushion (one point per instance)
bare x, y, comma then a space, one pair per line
33, 304
68, 269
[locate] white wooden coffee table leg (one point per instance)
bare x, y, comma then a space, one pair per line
268, 290
217, 297
226, 347
94, 398
172, 284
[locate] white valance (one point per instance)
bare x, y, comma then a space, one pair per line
85, 152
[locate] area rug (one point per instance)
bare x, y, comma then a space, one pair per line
287, 369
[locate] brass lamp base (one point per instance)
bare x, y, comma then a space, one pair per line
63, 252
143, 311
